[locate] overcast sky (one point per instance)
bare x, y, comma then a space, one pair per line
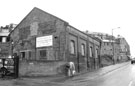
91, 15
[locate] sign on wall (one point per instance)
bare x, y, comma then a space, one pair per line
44, 41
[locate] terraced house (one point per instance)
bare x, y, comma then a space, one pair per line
45, 43
5, 44
112, 51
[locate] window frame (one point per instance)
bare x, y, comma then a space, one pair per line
97, 53
43, 57
23, 54
72, 47
4, 39
90, 51
83, 49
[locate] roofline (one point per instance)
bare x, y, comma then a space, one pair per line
55, 17
85, 34
29, 14
50, 14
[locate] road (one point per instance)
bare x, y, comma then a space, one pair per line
123, 76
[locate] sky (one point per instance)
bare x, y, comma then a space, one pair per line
92, 15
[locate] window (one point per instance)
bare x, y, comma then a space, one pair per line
0, 39
72, 47
96, 56
8, 39
90, 51
112, 44
23, 55
4, 39
83, 50
43, 54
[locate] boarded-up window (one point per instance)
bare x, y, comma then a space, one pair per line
83, 50
43, 54
72, 47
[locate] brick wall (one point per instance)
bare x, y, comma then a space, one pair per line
40, 68
36, 24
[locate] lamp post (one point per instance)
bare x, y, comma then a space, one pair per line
113, 53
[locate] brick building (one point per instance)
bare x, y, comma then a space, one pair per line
45, 43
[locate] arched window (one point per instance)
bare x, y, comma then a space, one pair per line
83, 50
72, 47
90, 54
96, 56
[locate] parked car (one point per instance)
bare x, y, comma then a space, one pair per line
132, 60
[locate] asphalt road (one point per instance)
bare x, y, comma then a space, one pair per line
123, 76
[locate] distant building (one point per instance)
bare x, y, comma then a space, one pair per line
103, 36
5, 40
124, 48
117, 48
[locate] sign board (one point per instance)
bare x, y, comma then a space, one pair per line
44, 41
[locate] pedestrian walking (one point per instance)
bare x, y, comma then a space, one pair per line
70, 69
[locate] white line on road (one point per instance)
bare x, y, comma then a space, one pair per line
130, 84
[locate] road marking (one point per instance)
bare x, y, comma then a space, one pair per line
130, 84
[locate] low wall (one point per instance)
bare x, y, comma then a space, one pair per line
40, 68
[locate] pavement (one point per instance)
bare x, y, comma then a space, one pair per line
61, 80
92, 75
